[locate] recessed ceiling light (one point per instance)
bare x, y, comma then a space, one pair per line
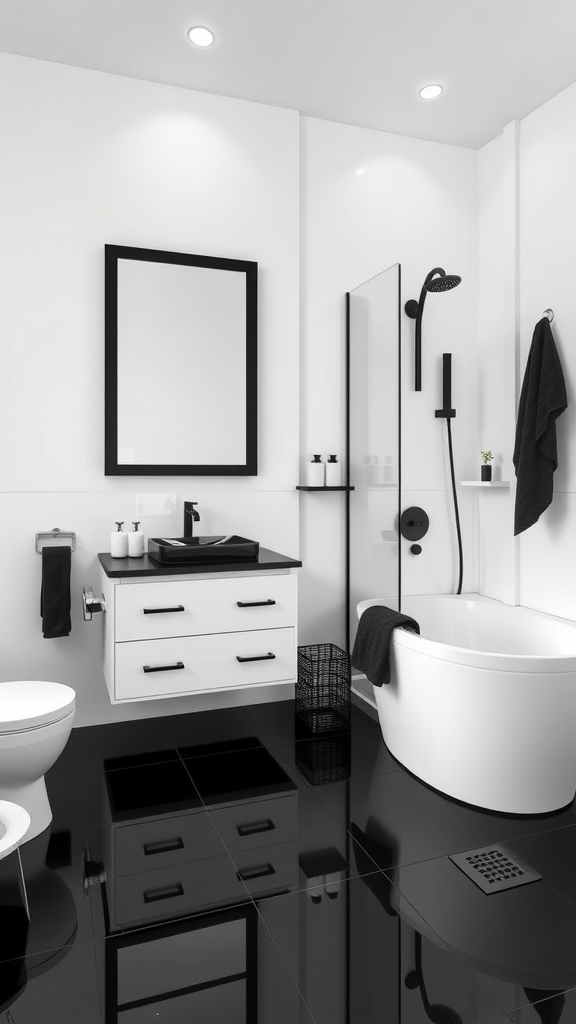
201, 36
430, 92
361, 170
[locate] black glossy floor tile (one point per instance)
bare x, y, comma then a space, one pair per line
324, 759
516, 942
59, 987
269, 819
132, 793
361, 954
363, 721
212, 732
238, 775
397, 820
558, 1008
124, 745
213, 968
279, 723
553, 855
508, 826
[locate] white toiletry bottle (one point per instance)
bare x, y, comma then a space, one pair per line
135, 542
316, 472
119, 542
333, 472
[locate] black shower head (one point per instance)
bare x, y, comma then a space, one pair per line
436, 281
443, 284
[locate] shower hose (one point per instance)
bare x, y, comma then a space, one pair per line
456, 511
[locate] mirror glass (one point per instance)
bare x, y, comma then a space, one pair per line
180, 363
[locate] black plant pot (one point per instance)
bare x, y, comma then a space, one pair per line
486, 473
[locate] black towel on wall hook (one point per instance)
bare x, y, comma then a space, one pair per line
55, 591
542, 400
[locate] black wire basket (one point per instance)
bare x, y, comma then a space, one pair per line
323, 688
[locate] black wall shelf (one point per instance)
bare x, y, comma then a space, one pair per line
343, 487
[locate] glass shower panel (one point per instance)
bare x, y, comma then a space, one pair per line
374, 460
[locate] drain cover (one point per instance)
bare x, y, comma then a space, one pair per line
494, 868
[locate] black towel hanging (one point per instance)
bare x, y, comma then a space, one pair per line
55, 591
542, 400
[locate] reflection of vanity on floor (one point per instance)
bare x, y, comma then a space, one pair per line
170, 869
170, 630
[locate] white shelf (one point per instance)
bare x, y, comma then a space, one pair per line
485, 483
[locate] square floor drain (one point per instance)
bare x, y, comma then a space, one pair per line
494, 868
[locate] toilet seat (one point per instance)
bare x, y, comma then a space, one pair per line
28, 704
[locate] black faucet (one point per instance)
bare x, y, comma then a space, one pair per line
191, 516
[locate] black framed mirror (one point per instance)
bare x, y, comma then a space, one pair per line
180, 364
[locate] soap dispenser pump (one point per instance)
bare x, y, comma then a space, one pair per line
316, 472
119, 542
333, 472
136, 542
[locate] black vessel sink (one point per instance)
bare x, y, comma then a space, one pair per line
191, 550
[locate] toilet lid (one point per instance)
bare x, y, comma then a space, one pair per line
26, 704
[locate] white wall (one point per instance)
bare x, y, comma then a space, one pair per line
90, 158
417, 205
535, 569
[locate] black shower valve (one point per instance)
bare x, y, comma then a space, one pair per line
416, 549
414, 523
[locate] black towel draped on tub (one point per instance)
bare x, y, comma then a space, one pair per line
372, 644
542, 399
55, 592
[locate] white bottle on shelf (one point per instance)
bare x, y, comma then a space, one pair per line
333, 472
316, 472
119, 542
135, 542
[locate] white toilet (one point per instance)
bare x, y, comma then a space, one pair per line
35, 722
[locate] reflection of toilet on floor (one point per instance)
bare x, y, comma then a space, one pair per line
38, 916
36, 718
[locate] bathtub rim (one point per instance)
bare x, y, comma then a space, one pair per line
558, 664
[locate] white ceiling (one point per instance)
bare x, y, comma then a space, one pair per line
356, 61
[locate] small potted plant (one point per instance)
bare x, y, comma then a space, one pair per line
486, 468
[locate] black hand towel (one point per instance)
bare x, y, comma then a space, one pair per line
542, 399
371, 647
55, 592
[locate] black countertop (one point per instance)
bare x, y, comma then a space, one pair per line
132, 567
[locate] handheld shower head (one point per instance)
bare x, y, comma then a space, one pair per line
436, 281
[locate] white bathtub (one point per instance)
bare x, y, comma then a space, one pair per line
482, 705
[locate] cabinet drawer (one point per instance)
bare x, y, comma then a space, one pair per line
190, 664
181, 889
149, 611
258, 824
275, 867
165, 842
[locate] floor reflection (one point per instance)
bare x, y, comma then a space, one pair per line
234, 869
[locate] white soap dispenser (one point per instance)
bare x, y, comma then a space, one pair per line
333, 472
135, 542
119, 542
316, 472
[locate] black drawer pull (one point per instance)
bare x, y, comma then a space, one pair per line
247, 874
163, 894
254, 604
159, 611
257, 826
163, 846
163, 668
258, 657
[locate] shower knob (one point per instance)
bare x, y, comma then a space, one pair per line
416, 549
414, 523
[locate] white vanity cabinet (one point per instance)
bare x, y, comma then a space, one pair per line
186, 633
